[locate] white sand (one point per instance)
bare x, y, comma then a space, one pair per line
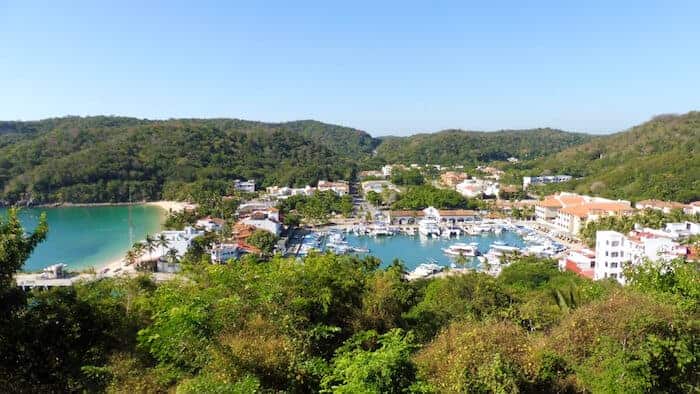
170, 206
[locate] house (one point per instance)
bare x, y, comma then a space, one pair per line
244, 186
210, 224
614, 250
180, 240
340, 188
682, 229
280, 193
252, 206
581, 262
474, 187
265, 220
658, 205
386, 170
513, 160
452, 178
693, 208
370, 174
377, 186
541, 180
221, 253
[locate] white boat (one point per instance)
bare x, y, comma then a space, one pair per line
462, 249
426, 269
429, 227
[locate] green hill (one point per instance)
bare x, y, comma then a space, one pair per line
462, 147
657, 159
115, 159
107, 159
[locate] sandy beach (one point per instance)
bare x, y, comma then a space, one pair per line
170, 206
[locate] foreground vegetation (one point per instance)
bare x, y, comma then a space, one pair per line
342, 324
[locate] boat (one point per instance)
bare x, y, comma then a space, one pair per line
462, 249
429, 227
426, 269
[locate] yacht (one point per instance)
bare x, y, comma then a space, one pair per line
462, 249
426, 269
429, 227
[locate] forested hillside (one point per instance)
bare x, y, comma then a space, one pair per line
472, 147
657, 159
117, 159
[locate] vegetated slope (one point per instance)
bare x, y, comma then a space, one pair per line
657, 159
460, 147
116, 159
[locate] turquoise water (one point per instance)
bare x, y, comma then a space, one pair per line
88, 236
416, 250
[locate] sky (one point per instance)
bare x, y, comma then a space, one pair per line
383, 67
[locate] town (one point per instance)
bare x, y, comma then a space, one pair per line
296, 221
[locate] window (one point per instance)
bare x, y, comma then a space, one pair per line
606, 263
614, 254
616, 243
606, 253
613, 265
613, 276
622, 254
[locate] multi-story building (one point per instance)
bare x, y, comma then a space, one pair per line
244, 186
614, 250
541, 180
221, 253
570, 211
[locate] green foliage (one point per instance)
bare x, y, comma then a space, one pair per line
374, 198
409, 177
420, 197
263, 240
16, 246
317, 208
337, 323
452, 147
100, 159
657, 159
372, 363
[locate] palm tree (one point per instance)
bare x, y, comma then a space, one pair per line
171, 255
130, 257
150, 244
163, 243
138, 249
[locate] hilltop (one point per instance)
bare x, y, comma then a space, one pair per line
460, 147
657, 159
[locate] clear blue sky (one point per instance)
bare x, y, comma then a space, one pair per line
387, 68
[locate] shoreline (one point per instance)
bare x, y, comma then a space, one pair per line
167, 205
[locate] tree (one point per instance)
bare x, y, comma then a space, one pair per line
373, 198
372, 363
263, 240
150, 245
162, 242
16, 246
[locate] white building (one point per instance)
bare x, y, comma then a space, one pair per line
682, 229
340, 188
581, 262
386, 170
244, 186
221, 253
614, 250
475, 187
541, 180
265, 220
210, 224
281, 193
377, 186
180, 240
